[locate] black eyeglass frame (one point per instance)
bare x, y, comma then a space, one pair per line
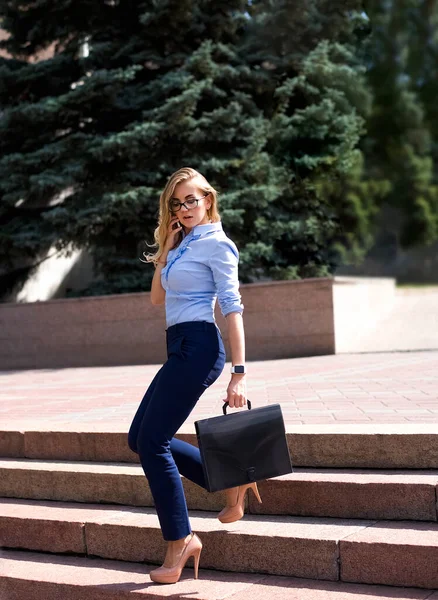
184, 204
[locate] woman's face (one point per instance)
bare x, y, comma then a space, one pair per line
197, 215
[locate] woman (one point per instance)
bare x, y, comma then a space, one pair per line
195, 263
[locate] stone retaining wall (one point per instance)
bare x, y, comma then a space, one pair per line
282, 319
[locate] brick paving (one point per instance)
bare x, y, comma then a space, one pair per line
378, 388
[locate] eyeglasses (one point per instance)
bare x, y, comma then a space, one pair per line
175, 205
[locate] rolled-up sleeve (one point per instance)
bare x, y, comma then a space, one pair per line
224, 262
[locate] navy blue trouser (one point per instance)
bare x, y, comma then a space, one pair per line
195, 359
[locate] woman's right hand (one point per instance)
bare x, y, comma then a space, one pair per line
171, 234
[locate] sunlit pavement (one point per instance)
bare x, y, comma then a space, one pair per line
378, 388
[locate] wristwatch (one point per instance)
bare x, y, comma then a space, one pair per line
240, 369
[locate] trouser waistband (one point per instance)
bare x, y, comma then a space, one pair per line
192, 326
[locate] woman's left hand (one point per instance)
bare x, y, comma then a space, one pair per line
236, 391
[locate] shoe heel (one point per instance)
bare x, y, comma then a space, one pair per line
196, 557
256, 492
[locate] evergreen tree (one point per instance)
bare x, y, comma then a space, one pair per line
402, 142
313, 90
265, 98
87, 141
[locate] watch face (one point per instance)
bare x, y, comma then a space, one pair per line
239, 369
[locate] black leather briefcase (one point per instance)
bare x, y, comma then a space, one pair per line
242, 447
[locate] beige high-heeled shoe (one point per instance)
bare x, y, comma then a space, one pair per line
172, 574
234, 512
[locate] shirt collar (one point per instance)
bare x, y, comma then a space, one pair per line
206, 228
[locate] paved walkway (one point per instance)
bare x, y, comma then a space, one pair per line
398, 387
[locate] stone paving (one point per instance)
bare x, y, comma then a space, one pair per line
377, 388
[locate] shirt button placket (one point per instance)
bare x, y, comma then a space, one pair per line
182, 249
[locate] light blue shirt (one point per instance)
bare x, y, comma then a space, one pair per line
203, 268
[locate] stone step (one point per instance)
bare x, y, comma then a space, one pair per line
38, 576
373, 446
403, 553
342, 493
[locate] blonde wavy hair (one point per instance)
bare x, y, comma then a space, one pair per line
165, 214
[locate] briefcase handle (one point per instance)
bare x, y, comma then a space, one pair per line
224, 408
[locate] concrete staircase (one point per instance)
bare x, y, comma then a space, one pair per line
357, 517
